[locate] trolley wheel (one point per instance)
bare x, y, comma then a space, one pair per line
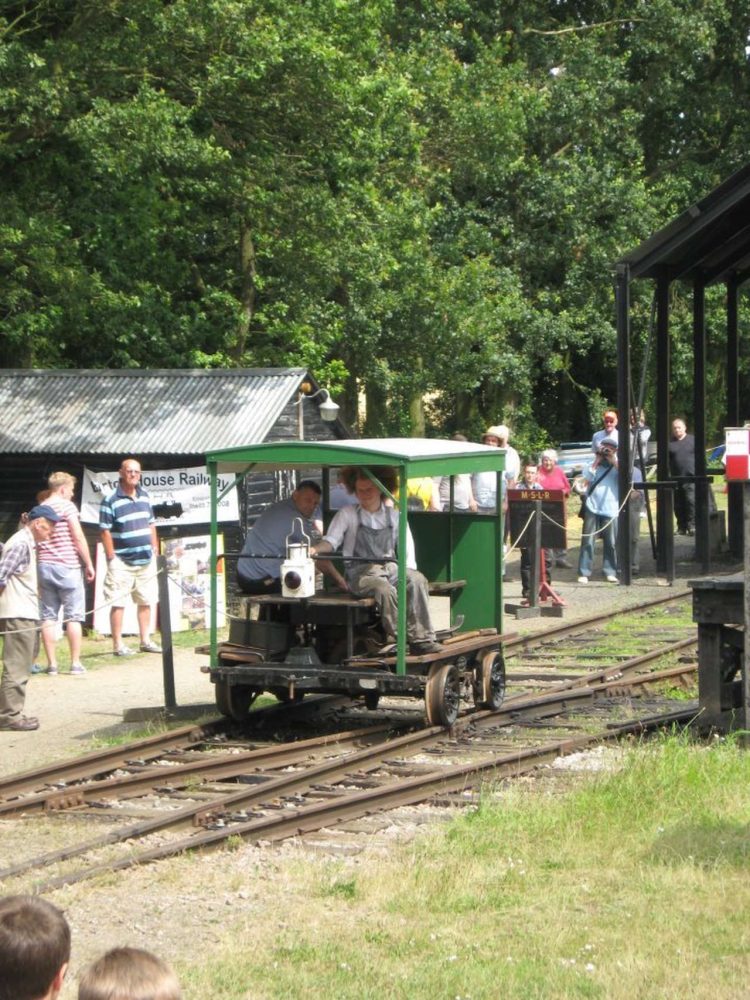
442, 694
371, 699
489, 682
234, 700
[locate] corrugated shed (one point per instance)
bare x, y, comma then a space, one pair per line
181, 412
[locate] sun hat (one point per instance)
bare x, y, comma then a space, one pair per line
499, 431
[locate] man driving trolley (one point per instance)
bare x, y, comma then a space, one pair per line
367, 534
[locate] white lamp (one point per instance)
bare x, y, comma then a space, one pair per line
328, 409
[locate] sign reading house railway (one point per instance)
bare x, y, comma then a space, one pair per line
521, 507
188, 487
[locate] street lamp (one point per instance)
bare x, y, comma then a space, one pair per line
328, 409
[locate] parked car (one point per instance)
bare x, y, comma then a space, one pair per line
573, 457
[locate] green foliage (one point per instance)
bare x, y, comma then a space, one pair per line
418, 199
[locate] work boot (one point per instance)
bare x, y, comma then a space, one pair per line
422, 646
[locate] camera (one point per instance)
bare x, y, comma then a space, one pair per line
169, 508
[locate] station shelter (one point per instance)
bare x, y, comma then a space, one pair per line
709, 244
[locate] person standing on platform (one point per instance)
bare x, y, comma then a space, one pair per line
128, 533
19, 614
600, 513
60, 581
463, 494
512, 458
531, 480
609, 430
682, 463
640, 434
484, 484
552, 477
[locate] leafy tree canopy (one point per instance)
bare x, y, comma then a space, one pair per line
418, 200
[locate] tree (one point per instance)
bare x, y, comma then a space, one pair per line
420, 201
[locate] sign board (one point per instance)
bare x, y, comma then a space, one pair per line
521, 506
188, 487
189, 581
737, 453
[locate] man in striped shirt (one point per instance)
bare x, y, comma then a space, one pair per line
128, 532
60, 582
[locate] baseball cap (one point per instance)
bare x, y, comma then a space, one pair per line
43, 510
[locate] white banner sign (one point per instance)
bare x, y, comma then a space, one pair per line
188, 487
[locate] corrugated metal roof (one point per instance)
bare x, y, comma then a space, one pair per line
180, 412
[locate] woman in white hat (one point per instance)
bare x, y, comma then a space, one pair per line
485, 483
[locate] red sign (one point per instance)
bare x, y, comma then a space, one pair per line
737, 453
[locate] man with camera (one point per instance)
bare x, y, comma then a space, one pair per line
600, 512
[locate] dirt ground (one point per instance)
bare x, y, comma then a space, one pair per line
169, 906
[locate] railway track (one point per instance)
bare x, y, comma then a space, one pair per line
198, 787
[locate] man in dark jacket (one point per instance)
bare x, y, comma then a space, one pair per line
682, 463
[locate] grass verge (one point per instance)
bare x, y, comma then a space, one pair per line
634, 884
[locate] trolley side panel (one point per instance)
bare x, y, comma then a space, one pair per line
457, 547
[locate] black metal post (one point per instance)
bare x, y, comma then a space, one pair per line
735, 504
624, 393
535, 554
664, 514
702, 536
165, 623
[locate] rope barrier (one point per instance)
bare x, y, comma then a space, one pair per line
598, 531
520, 535
100, 607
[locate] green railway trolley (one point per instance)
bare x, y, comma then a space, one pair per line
329, 642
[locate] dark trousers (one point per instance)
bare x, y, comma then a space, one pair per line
526, 568
684, 507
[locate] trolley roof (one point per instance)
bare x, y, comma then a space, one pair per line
416, 456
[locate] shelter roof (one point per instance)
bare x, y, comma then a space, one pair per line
160, 411
711, 239
418, 456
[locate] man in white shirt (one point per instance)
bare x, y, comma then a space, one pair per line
609, 430
367, 535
